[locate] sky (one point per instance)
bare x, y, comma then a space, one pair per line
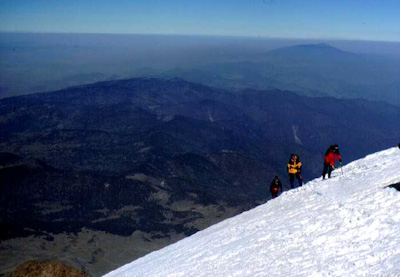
315, 19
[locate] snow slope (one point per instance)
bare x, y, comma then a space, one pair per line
348, 225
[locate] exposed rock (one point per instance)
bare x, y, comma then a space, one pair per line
396, 186
45, 269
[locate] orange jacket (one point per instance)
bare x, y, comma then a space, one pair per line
294, 167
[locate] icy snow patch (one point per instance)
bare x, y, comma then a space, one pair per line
295, 129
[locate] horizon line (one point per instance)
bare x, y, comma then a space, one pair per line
197, 35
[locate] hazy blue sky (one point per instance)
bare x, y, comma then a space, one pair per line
342, 19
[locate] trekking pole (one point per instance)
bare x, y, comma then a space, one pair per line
341, 168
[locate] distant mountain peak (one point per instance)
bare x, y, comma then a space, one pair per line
320, 46
308, 49
316, 45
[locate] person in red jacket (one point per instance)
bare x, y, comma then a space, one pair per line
276, 185
331, 155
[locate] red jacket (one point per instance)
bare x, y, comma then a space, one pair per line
330, 158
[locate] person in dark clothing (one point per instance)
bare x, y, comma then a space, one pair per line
331, 154
294, 170
276, 185
398, 145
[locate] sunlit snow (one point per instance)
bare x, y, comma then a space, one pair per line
348, 225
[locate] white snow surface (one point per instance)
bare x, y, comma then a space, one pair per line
348, 225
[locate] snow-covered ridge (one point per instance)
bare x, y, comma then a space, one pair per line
348, 225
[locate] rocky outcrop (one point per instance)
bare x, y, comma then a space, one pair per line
45, 269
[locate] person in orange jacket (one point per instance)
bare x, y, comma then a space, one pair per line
331, 155
294, 170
